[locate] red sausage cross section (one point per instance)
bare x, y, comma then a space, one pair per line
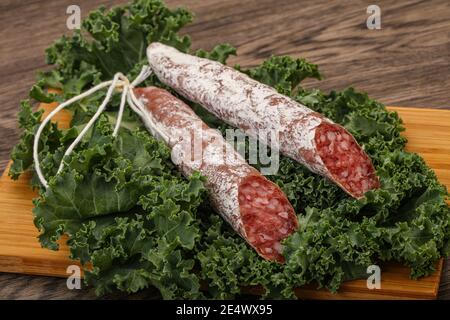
345, 160
267, 215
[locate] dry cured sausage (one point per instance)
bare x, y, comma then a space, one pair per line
253, 205
301, 134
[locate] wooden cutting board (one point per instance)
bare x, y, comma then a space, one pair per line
428, 133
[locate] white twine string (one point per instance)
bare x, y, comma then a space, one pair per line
119, 81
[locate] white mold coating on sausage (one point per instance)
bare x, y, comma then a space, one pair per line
224, 168
243, 102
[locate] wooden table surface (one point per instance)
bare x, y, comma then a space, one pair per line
406, 63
